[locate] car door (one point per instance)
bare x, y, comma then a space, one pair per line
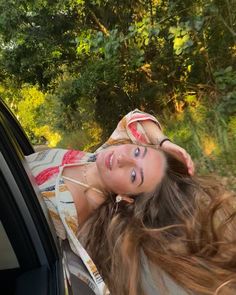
30, 260
17, 130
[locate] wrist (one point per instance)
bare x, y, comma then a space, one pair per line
163, 140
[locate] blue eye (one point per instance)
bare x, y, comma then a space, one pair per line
133, 176
137, 152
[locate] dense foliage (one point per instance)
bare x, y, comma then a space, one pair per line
70, 69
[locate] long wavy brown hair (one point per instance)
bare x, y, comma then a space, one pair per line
185, 229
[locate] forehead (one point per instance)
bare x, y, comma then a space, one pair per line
151, 168
152, 165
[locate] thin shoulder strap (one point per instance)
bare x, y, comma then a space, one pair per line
79, 249
82, 184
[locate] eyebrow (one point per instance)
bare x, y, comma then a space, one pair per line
142, 177
144, 152
141, 170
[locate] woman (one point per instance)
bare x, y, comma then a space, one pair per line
177, 239
181, 234
73, 183
75, 190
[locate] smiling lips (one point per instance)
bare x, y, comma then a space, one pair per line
108, 161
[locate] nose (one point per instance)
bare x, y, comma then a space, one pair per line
125, 160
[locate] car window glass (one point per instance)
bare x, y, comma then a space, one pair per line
8, 259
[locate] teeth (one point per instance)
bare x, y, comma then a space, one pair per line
111, 160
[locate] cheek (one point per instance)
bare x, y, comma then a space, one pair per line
118, 182
155, 177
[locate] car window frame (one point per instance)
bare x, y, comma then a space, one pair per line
16, 128
14, 170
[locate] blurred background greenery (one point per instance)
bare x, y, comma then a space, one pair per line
70, 69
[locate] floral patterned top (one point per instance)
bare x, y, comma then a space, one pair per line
47, 167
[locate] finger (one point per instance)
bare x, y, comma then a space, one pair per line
193, 170
190, 166
182, 152
185, 156
188, 162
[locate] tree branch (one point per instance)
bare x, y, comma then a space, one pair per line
151, 12
227, 26
172, 15
100, 25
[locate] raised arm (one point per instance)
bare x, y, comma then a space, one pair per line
130, 129
156, 137
142, 128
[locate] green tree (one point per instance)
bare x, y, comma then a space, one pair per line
96, 60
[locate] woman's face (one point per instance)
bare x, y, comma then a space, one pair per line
130, 169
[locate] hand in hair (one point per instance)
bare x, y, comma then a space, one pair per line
155, 136
180, 154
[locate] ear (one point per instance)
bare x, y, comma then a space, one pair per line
125, 198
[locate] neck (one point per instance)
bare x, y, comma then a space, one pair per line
94, 198
92, 175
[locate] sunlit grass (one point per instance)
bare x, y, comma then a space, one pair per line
208, 137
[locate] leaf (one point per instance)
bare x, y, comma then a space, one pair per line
198, 24
172, 30
146, 41
228, 69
